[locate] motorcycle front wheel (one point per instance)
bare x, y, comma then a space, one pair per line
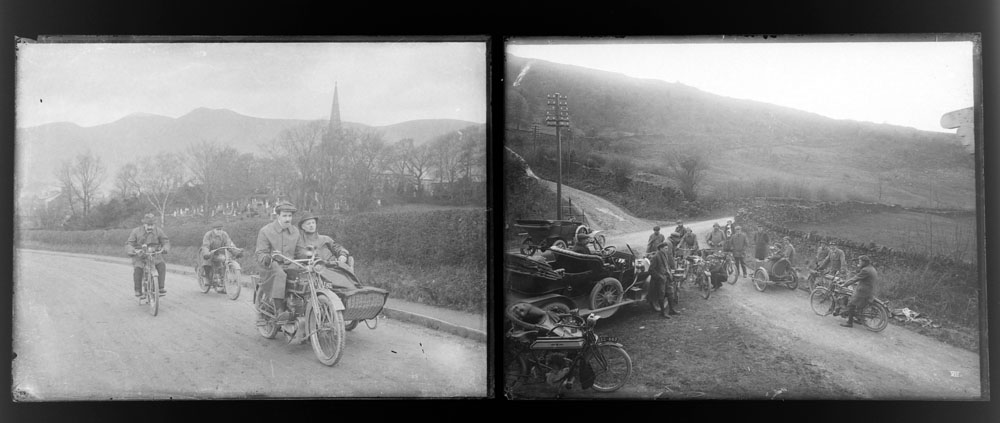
820, 300
233, 282
612, 367
875, 317
328, 332
152, 293
704, 286
269, 329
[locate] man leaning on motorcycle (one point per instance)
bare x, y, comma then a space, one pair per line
147, 234
283, 237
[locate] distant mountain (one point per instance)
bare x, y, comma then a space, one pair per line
40, 149
644, 120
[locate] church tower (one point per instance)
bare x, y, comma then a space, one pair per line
335, 113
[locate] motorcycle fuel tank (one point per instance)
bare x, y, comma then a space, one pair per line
557, 343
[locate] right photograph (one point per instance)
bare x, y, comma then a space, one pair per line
744, 218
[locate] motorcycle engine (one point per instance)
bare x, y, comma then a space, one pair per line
296, 304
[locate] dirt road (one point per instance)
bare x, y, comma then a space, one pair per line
807, 356
79, 334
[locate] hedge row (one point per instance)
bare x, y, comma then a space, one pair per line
427, 237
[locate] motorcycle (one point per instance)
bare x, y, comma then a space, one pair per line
822, 278
150, 291
226, 273
699, 275
564, 353
826, 300
318, 313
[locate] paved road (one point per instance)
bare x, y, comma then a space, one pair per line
79, 334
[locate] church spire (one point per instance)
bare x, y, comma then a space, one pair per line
335, 112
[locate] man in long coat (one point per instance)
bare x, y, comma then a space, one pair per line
760, 241
660, 285
739, 244
654, 239
283, 237
866, 280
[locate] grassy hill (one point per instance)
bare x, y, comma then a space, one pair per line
750, 145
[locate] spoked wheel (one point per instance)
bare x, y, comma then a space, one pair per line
526, 247
760, 279
732, 273
261, 302
203, 280
704, 286
232, 283
559, 243
606, 292
328, 332
152, 294
794, 283
821, 301
875, 317
612, 367
812, 281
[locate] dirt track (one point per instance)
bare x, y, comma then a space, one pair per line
813, 350
79, 334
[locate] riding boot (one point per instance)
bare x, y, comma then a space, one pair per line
850, 318
281, 311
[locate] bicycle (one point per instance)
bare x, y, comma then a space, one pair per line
150, 293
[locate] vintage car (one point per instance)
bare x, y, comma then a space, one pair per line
563, 280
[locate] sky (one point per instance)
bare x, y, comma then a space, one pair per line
901, 83
378, 83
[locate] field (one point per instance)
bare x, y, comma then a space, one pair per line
907, 231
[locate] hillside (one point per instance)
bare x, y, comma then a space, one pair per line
613, 115
42, 148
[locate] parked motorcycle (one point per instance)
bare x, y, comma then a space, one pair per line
564, 353
150, 288
318, 313
226, 273
699, 275
826, 300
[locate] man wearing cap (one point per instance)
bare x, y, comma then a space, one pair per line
716, 238
325, 247
150, 235
689, 242
580, 246
821, 252
739, 244
834, 260
866, 280
654, 239
660, 285
215, 238
280, 236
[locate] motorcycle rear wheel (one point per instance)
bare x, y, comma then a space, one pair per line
795, 281
327, 334
269, 329
732, 273
820, 300
874, 317
612, 367
233, 276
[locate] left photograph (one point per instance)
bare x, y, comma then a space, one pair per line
208, 219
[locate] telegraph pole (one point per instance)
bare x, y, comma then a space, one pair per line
558, 116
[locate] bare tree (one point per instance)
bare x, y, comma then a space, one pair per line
418, 164
65, 176
364, 160
202, 162
688, 169
301, 145
88, 175
159, 180
126, 182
